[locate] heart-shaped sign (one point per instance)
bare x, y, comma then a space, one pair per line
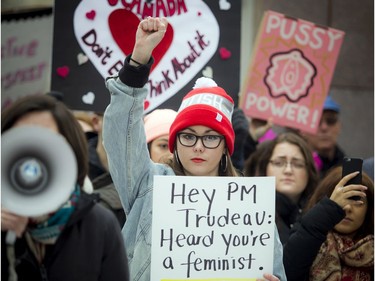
225, 53
190, 41
224, 5
63, 71
88, 98
146, 104
123, 25
208, 72
91, 15
82, 59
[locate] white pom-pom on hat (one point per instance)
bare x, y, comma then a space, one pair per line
204, 82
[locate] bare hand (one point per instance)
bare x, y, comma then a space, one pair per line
342, 193
149, 34
269, 277
257, 128
13, 222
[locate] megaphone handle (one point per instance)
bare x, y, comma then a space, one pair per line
11, 255
10, 238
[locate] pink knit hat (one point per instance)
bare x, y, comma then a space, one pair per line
206, 105
158, 122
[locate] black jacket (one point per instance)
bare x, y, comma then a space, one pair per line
89, 248
304, 243
287, 213
109, 198
327, 164
96, 168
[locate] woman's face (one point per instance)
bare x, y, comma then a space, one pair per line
198, 160
288, 166
38, 118
354, 218
41, 119
159, 150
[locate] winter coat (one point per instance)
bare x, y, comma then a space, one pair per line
90, 247
287, 213
308, 235
104, 187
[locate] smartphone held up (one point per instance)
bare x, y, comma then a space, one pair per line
349, 166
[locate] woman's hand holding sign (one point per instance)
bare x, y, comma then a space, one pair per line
269, 277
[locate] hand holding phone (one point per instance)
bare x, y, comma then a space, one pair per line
349, 166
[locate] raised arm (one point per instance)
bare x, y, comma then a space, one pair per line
123, 131
150, 32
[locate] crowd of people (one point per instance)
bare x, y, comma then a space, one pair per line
324, 227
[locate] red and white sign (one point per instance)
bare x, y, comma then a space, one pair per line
100, 27
92, 38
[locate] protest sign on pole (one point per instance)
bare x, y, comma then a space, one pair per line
212, 227
290, 71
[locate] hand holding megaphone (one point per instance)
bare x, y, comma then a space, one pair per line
14, 224
38, 173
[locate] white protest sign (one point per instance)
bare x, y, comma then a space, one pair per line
26, 47
212, 227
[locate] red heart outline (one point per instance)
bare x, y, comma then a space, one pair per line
123, 25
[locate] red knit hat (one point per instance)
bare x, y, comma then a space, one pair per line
206, 105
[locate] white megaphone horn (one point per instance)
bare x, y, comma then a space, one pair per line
38, 170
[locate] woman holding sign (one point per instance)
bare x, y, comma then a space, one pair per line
201, 139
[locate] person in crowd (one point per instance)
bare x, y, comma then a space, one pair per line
325, 141
289, 159
334, 240
102, 184
251, 166
157, 125
91, 123
249, 133
240, 125
201, 139
80, 240
84, 118
57, 95
368, 167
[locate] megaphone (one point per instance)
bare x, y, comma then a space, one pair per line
38, 170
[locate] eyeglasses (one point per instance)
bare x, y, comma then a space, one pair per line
282, 163
209, 141
330, 121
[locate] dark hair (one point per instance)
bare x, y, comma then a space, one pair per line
328, 184
149, 147
258, 163
67, 124
251, 168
